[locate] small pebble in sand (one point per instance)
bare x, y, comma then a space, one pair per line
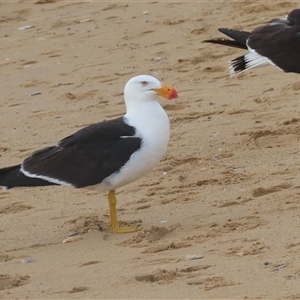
194, 256
86, 20
28, 260
35, 94
72, 239
26, 27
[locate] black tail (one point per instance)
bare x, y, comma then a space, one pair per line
239, 38
12, 177
238, 65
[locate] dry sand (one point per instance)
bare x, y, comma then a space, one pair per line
228, 188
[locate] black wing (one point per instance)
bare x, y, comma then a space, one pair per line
239, 38
280, 43
12, 176
88, 156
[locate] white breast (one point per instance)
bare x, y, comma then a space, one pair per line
153, 127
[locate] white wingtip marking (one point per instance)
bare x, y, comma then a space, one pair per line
46, 178
251, 60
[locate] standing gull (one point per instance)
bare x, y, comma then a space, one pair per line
276, 43
106, 155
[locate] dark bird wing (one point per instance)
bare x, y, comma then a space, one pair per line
12, 177
86, 157
239, 38
279, 43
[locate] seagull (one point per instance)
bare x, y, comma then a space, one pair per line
276, 43
106, 155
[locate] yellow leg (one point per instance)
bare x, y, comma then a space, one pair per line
113, 216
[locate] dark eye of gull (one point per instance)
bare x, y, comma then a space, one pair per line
143, 83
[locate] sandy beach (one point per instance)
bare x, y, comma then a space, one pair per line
220, 213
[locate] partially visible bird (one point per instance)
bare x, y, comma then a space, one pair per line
276, 43
106, 155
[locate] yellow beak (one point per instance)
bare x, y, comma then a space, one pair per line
166, 91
